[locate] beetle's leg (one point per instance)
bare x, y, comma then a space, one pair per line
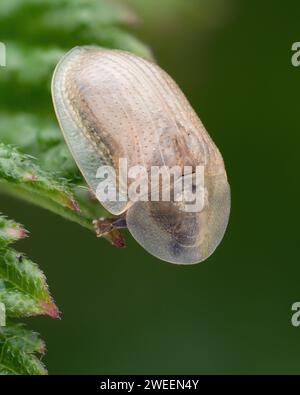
103, 226
106, 225
110, 227
120, 222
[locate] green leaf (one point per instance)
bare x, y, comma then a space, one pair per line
20, 176
79, 13
28, 64
10, 231
23, 292
20, 169
18, 349
39, 137
66, 23
105, 11
23, 288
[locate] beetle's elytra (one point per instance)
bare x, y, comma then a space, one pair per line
112, 104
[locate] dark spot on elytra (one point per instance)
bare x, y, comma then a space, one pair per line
176, 248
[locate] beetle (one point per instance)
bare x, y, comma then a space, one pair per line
112, 104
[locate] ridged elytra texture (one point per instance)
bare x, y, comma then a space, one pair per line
112, 104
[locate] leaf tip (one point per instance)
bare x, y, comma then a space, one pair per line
50, 309
16, 232
117, 239
73, 205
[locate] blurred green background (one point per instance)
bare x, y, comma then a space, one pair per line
124, 311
